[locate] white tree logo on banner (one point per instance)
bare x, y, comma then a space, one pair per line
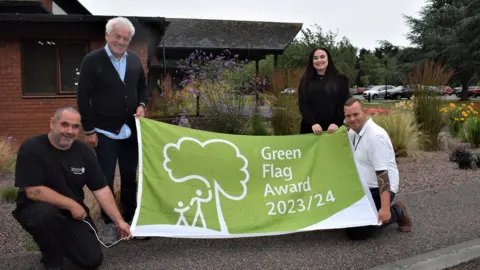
197, 201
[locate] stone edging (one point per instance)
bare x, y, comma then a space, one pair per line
438, 259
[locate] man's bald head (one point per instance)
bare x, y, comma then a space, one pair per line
59, 112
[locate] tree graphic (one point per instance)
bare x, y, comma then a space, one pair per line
216, 162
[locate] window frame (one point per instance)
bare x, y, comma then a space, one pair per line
57, 91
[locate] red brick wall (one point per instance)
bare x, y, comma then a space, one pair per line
24, 117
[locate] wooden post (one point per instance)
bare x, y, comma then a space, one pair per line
257, 93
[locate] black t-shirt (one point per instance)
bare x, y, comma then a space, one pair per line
39, 163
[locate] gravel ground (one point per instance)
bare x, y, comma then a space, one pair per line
432, 171
442, 217
12, 236
417, 174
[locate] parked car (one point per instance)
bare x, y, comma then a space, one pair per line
447, 90
473, 91
399, 92
360, 90
377, 91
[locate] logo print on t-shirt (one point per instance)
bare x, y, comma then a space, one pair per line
77, 170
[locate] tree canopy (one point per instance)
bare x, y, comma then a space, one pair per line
446, 31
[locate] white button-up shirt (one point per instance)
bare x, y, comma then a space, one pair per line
373, 151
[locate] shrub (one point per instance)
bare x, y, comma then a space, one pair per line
428, 103
470, 132
9, 194
217, 81
286, 117
7, 154
457, 153
464, 159
404, 132
257, 126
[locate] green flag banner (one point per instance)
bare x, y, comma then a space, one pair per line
200, 184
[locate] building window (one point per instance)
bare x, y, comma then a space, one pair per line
52, 67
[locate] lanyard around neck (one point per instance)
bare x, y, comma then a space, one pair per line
354, 139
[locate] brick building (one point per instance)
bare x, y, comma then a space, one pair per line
42, 43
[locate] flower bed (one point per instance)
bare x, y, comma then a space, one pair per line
377, 111
464, 122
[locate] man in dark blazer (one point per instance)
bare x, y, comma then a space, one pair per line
112, 89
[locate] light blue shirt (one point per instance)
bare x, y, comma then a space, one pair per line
120, 66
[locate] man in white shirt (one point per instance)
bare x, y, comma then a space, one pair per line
376, 163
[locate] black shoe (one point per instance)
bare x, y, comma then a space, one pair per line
141, 237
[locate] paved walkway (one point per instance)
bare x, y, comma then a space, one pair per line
442, 217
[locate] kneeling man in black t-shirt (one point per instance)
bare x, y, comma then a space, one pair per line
51, 171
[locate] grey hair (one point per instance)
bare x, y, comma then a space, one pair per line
60, 110
119, 21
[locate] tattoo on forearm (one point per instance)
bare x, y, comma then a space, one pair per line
34, 193
383, 181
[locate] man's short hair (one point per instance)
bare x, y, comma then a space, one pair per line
119, 21
352, 101
60, 110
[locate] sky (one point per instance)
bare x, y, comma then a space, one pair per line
364, 23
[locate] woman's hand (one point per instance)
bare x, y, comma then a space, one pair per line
317, 129
332, 128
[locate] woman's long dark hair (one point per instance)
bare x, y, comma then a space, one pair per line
310, 72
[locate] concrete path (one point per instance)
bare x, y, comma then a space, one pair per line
442, 217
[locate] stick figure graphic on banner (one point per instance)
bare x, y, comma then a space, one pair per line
182, 211
200, 200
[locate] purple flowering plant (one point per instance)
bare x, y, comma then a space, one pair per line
217, 81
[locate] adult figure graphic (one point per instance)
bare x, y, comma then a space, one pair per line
376, 163
111, 90
51, 171
322, 92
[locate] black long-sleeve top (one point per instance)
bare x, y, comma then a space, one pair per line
104, 100
317, 106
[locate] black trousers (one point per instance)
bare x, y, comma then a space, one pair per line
58, 235
362, 233
108, 152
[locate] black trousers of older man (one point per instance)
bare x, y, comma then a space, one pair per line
125, 151
58, 235
362, 233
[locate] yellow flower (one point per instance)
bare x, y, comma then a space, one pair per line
456, 118
462, 119
451, 105
464, 114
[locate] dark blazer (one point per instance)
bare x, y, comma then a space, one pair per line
104, 101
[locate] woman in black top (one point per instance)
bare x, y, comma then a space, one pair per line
322, 92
